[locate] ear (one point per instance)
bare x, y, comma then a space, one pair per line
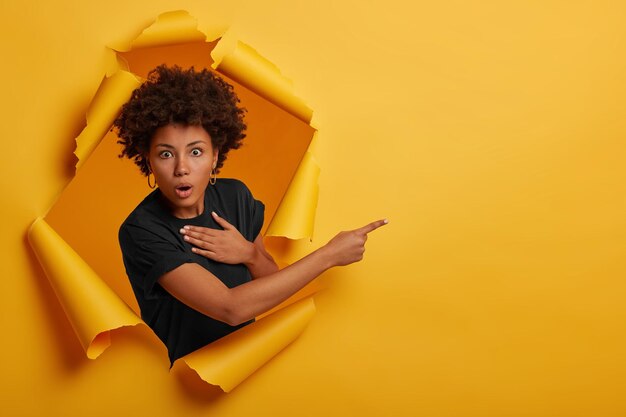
216, 154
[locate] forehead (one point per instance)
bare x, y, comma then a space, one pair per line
179, 135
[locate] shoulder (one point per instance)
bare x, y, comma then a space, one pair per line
145, 220
145, 212
231, 185
233, 189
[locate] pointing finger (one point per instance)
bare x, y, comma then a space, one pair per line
372, 226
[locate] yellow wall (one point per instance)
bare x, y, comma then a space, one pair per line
491, 134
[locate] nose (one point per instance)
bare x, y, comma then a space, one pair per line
182, 167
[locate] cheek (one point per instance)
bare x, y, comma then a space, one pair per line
161, 167
202, 166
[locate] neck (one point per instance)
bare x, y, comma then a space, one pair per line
184, 212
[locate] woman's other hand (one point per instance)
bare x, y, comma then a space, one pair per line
348, 247
227, 246
198, 288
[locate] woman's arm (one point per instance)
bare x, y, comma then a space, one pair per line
204, 292
261, 263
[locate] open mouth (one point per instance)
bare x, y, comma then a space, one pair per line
184, 190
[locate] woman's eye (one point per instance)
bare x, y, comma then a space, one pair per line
166, 154
196, 152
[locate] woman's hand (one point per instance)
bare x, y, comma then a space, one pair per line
348, 247
227, 246
201, 290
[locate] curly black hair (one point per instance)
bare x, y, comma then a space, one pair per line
183, 96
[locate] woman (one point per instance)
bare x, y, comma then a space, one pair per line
192, 248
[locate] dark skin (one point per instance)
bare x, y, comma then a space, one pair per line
181, 158
203, 291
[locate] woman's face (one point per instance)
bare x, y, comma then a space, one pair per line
181, 157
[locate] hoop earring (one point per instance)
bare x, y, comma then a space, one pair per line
213, 177
153, 186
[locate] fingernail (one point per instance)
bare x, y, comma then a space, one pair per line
186, 227
182, 231
386, 221
186, 237
215, 214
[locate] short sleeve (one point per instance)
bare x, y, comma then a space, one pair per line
254, 210
258, 212
147, 256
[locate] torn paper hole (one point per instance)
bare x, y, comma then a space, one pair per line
90, 279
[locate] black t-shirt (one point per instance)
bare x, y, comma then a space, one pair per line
152, 246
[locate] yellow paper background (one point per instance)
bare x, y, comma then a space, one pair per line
492, 136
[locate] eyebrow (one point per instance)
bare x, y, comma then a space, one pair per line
198, 142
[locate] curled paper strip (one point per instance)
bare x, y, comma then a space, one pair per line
244, 65
295, 216
61, 247
231, 359
91, 306
170, 28
112, 93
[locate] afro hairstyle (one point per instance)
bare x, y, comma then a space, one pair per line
181, 96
